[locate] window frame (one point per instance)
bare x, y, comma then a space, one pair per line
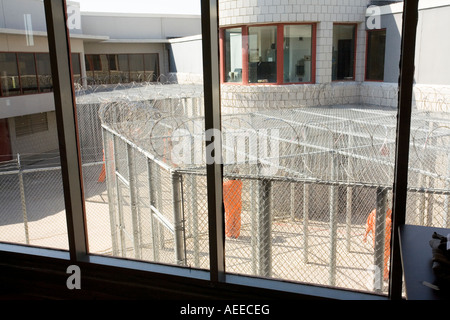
279, 56
135, 273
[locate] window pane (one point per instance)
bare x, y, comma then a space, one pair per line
9, 74
102, 74
262, 54
89, 65
27, 71
307, 166
233, 55
343, 52
136, 62
32, 210
124, 71
376, 44
429, 160
144, 199
113, 63
298, 53
151, 63
44, 72
76, 68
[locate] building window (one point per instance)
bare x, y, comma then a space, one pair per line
376, 45
122, 68
76, 67
9, 74
151, 66
262, 54
233, 55
297, 51
136, 62
281, 54
31, 124
344, 45
44, 72
29, 72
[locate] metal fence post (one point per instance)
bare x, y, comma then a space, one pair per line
195, 226
446, 223
178, 219
333, 205
133, 201
109, 189
349, 202
306, 195
154, 226
123, 246
23, 201
380, 233
264, 222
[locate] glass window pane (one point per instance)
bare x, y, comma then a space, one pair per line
376, 45
144, 200
44, 72
124, 71
233, 55
136, 62
262, 54
151, 64
343, 52
9, 74
76, 67
102, 73
27, 70
297, 53
32, 210
307, 166
113, 64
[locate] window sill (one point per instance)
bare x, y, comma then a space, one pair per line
42, 272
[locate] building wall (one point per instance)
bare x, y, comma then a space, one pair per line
140, 26
185, 56
433, 45
40, 142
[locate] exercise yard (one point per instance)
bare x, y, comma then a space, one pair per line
303, 182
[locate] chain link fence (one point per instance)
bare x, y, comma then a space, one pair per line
302, 184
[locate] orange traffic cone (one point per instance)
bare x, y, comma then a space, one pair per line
232, 198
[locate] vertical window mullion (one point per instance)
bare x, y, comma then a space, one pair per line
211, 80
280, 54
245, 64
60, 58
406, 81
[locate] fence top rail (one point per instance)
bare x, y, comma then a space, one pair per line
147, 154
291, 179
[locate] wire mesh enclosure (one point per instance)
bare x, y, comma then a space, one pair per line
303, 186
306, 171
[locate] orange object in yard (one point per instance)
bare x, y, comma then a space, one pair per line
232, 199
102, 176
370, 228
